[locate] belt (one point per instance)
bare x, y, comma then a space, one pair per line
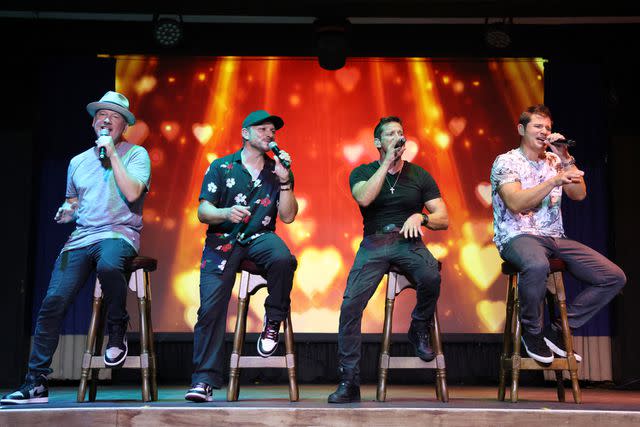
389, 228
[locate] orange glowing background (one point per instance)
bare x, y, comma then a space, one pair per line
458, 116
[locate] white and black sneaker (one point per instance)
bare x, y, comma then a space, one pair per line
200, 392
117, 348
555, 341
536, 348
268, 340
34, 390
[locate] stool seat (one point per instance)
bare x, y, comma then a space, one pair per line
141, 263
555, 265
251, 268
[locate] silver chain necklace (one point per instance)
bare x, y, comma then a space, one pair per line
392, 187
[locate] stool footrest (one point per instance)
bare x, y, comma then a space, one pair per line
411, 363
264, 362
532, 364
131, 362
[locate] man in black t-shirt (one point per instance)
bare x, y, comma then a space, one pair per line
392, 194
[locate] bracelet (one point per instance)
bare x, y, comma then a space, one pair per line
425, 219
572, 161
285, 189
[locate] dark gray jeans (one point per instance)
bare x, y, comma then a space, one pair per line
71, 271
530, 254
376, 253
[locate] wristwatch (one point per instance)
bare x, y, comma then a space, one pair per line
425, 219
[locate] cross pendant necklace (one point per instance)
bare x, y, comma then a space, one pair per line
392, 187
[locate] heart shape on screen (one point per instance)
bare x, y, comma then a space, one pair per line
137, 134
202, 132
481, 264
317, 269
492, 314
483, 193
348, 78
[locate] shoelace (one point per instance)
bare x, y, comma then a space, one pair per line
271, 331
116, 335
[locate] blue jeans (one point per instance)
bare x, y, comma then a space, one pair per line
70, 273
267, 251
530, 254
375, 255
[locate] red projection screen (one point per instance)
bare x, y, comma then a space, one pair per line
458, 116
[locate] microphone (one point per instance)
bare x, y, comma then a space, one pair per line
567, 142
102, 154
401, 142
276, 150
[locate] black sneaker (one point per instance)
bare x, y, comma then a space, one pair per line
554, 340
419, 337
268, 340
200, 392
34, 390
347, 392
536, 348
117, 349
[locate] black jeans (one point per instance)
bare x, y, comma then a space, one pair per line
375, 255
267, 251
70, 273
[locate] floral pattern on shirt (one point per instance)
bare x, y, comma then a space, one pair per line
227, 183
543, 220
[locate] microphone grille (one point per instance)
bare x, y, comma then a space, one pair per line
104, 132
273, 145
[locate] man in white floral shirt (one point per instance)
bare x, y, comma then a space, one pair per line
527, 185
240, 198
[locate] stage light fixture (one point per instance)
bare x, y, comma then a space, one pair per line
168, 32
497, 34
331, 41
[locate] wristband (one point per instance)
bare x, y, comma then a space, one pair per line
572, 161
425, 219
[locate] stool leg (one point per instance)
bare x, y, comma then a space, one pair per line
506, 338
515, 356
144, 351
441, 377
151, 343
568, 342
381, 393
95, 373
290, 359
238, 343
90, 348
551, 303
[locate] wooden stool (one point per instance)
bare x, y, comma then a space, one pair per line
511, 359
396, 283
139, 267
252, 279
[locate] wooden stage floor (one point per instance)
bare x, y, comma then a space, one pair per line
269, 406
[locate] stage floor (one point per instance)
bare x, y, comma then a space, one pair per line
269, 405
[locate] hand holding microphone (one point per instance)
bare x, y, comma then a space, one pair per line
284, 157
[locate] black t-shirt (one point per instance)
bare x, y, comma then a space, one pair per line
415, 186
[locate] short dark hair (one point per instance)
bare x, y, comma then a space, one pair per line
539, 109
377, 132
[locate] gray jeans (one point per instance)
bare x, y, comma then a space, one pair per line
530, 254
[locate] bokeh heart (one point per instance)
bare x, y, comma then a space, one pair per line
491, 314
353, 152
457, 125
137, 133
348, 78
170, 130
317, 269
483, 193
481, 263
202, 132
